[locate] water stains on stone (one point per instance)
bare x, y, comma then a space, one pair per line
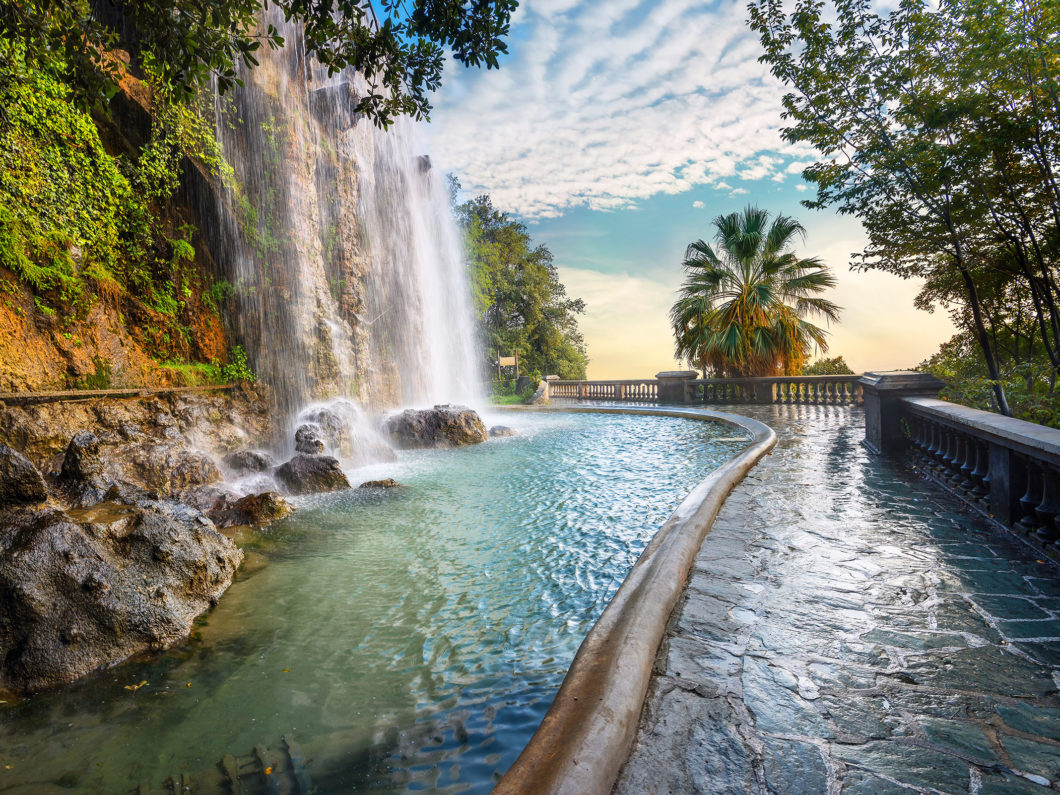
846, 629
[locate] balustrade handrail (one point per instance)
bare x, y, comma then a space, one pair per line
682, 387
1028, 438
804, 379
1005, 467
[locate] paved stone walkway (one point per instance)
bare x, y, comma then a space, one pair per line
847, 629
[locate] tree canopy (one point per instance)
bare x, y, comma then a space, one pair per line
938, 127
743, 308
398, 47
521, 304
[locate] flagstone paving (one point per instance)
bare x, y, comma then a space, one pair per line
847, 628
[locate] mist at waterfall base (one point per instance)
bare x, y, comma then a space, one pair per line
406, 639
345, 263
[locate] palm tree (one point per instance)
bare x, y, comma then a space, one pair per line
743, 306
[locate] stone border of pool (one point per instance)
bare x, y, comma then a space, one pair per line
587, 734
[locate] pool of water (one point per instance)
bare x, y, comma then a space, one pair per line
409, 639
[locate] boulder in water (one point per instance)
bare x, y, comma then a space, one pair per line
244, 462
256, 509
307, 439
90, 587
441, 426
502, 430
386, 483
20, 482
309, 474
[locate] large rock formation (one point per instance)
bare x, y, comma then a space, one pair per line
88, 587
441, 426
20, 482
309, 474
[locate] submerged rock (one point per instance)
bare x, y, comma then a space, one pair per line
307, 439
386, 483
502, 430
20, 482
244, 462
441, 426
309, 474
90, 587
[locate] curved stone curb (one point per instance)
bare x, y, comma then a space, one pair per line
588, 732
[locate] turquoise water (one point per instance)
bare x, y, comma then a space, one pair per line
409, 639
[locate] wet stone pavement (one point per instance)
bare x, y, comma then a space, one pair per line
846, 628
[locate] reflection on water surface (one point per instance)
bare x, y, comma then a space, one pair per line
405, 639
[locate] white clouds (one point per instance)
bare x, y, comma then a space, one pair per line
698, 205
611, 101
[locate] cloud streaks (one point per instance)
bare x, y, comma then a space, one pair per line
607, 102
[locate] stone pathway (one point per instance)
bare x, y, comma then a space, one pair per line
847, 629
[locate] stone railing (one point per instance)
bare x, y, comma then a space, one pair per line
644, 391
683, 387
1007, 468
808, 389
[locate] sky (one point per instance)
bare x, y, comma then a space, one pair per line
617, 130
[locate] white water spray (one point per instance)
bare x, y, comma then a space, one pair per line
337, 237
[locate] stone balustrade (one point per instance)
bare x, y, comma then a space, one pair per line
1007, 468
642, 391
806, 389
683, 387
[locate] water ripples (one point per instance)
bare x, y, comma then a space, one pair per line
409, 640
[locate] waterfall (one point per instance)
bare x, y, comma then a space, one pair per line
345, 263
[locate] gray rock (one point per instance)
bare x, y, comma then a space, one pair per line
441, 426
243, 462
386, 483
89, 587
309, 474
20, 482
255, 509
307, 439
166, 467
540, 396
331, 427
82, 460
502, 430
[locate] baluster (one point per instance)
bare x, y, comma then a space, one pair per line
1031, 497
946, 454
966, 484
916, 437
980, 482
953, 460
1048, 510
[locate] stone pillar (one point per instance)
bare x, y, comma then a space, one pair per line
883, 392
672, 385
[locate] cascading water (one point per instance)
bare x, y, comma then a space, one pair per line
337, 238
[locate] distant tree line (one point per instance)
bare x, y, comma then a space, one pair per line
521, 305
938, 126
